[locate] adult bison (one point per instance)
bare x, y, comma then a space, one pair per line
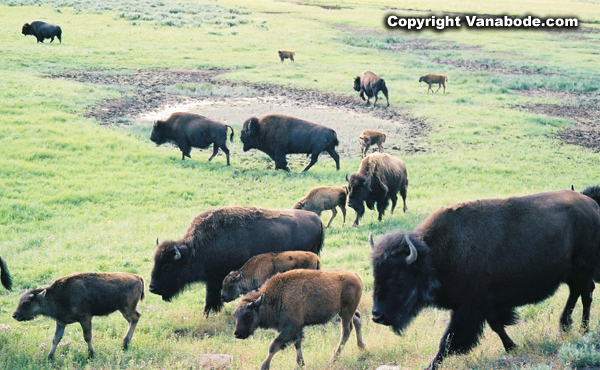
278, 135
42, 30
379, 178
223, 239
482, 259
189, 130
371, 84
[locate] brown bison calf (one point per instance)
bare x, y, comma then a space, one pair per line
285, 54
259, 268
323, 198
292, 300
434, 79
79, 297
368, 138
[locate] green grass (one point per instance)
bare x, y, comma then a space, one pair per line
76, 196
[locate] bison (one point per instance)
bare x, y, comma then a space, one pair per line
189, 130
379, 179
292, 300
259, 268
323, 198
79, 297
278, 135
223, 239
434, 79
285, 54
42, 30
368, 138
370, 84
481, 259
5, 275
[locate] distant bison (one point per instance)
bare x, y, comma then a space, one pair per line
323, 198
285, 54
379, 179
368, 138
278, 135
292, 300
5, 275
79, 297
481, 259
189, 131
42, 30
434, 79
259, 268
223, 239
370, 84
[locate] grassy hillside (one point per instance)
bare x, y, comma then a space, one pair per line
79, 196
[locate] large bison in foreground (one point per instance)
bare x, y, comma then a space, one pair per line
223, 239
278, 135
380, 177
189, 130
482, 259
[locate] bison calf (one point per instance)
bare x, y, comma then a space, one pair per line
323, 198
368, 138
259, 268
370, 84
292, 300
4, 275
189, 131
79, 297
42, 30
434, 79
285, 54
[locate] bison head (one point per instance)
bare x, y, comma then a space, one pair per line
171, 270
249, 134
27, 29
247, 316
357, 83
231, 286
422, 78
404, 280
157, 135
30, 305
359, 189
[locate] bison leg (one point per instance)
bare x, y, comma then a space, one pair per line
358, 325
384, 90
313, 159
565, 317
58, 334
284, 337
347, 321
333, 214
298, 344
226, 151
403, 194
343, 208
335, 156
132, 316
215, 151
381, 206
358, 216
498, 320
586, 301
394, 198
86, 326
213, 297
439, 87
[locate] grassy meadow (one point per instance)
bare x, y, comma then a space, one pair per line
78, 196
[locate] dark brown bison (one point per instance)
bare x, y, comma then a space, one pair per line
368, 138
189, 131
379, 179
370, 84
5, 275
79, 297
292, 300
223, 239
278, 135
323, 198
259, 268
482, 259
434, 79
285, 54
42, 30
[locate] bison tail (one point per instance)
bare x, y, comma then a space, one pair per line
593, 192
318, 248
4, 275
336, 142
230, 136
143, 295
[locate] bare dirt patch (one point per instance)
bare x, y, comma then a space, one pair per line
471, 65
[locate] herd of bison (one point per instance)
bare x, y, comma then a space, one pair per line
478, 259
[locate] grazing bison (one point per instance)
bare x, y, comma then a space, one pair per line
434, 79
371, 84
189, 131
5, 275
259, 268
482, 259
378, 180
42, 30
368, 138
223, 239
323, 198
285, 54
278, 135
292, 300
79, 297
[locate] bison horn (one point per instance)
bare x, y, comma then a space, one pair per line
347, 178
157, 242
177, 254
371, 244
412, 257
